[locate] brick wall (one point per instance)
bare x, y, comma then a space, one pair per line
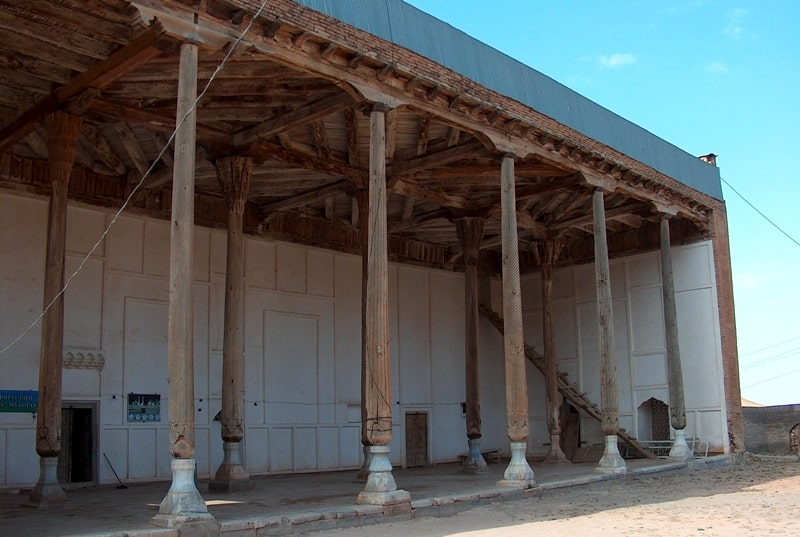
767, 428
727, 326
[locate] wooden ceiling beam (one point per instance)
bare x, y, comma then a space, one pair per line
362, 76
309, 196
131, 145
420, 219
154, 120
321, 139
584, 220
298, 117
103, 73
351, 127
264, 150
103, 149
421, 192
424, 134
434, 160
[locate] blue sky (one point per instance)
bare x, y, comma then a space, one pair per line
708, 76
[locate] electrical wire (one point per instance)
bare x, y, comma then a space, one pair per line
765, 217
769, 347
135, 189
785, 354
770, 379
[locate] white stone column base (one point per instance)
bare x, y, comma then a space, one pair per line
518, 473
231, 475
680, 450
47, 491
611, 462
183, 503
381, 488
474, 463
556, 454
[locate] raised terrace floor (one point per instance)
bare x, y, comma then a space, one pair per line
299, 503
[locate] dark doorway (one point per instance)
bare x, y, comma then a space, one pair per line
794, 440
76, 460
570, 429
654, 420
416, 439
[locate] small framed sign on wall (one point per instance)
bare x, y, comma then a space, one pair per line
144, 407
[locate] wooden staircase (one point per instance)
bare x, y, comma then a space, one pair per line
568, 389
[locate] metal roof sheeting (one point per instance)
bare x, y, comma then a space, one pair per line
407, 26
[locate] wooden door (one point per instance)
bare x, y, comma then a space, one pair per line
416, 439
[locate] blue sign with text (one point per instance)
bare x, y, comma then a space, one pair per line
19, 401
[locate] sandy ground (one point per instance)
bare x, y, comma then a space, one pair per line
758, 497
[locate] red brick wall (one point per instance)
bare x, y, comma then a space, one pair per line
727, 325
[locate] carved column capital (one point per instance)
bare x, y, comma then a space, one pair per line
63, 131
234, 174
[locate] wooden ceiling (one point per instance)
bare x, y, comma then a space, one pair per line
307, 128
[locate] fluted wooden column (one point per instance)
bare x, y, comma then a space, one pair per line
63, 131
183, 502
611, 461
518, 473
234, 174
470, 233
552, 248
376, 385
677, 406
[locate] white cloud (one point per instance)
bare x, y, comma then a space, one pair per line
615, 61
717, 68
733, 26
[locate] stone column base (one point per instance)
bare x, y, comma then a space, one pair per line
518, 473
231, 475
611, 462
183, 503
680, 450
474, 463
47, 491
381, 488
556, 455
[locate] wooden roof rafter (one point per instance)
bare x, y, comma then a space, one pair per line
304, 115
147, 45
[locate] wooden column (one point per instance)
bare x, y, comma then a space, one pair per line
470, 233
611, 461
376, 386
234, 174
518, 472
63, 131
183, 502
361, 207
552, 249
677, 405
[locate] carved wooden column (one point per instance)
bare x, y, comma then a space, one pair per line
361, 207
63, 131
677, 406
470, 233
611, 461
234, 174
376, 385
183, 502
518, 473
552, 248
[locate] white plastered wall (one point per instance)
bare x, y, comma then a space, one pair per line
639, 341
303, 346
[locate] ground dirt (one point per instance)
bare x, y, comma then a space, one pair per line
756, 497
